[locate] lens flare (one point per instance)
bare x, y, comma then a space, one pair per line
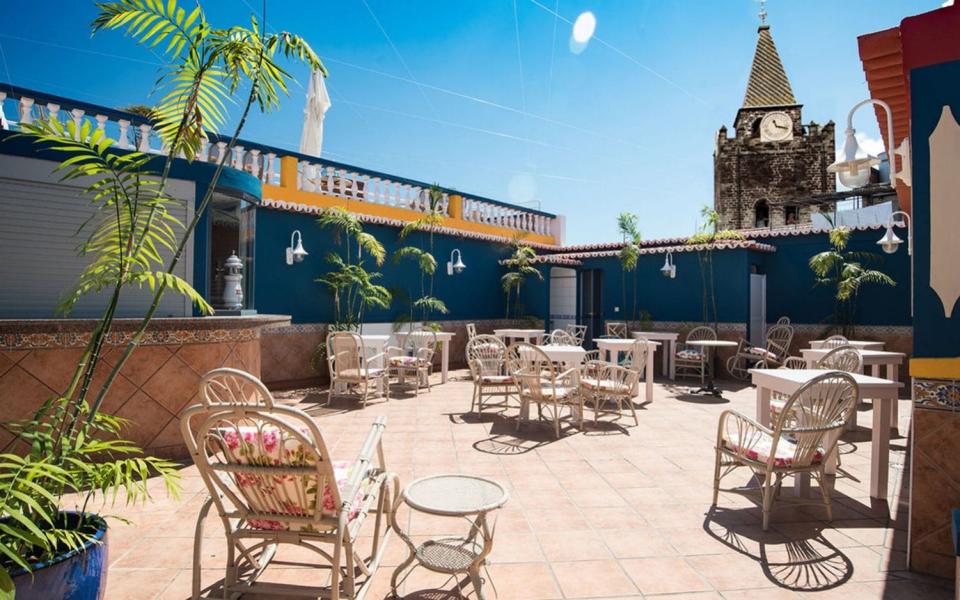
584, 27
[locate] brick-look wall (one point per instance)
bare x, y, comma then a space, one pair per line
747, 170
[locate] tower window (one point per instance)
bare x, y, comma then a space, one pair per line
761, 214
791, 215
755, 128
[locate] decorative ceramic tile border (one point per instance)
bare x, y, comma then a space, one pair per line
295, 328
169, 337
674, 326
941, 394
862, 330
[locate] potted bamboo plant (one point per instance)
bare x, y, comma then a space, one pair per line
69, 457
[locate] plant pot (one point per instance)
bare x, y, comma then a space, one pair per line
72, 575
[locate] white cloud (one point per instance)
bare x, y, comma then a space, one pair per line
947, 3
869, 145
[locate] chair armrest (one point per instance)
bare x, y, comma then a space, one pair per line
361, 466
369, 359
392, 350
746, 428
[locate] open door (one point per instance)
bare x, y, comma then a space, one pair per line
591, 302
758, 309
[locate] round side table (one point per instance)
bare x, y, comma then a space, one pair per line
453, 495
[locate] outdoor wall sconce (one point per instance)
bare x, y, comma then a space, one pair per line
855, 172
296, 253
890, 242
455, 266
669, 270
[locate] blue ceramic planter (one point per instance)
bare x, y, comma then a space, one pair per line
75, 575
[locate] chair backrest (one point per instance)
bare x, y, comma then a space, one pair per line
486, 355
784, 320
344, 352
701, 333
779, 338
533, 371
844, 358
618, 380
617, 329
471, 331
579, 332
635, 358
233, 387
560, 337
794, 362
261, 463
814, 416
835, 341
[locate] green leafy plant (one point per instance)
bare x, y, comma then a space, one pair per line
707, 238
426, 304
629, 256
354, 289
522, 267
70, 447
846, 272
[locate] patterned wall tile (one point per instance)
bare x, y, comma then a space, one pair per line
941, 394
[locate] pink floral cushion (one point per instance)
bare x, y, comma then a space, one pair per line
690, 355
406, 361
762, 353
266, 446
496, 379
757, 447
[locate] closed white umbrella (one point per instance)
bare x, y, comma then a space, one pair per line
318, 101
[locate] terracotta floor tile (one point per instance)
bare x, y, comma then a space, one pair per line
664, 576
592, 579
573, 545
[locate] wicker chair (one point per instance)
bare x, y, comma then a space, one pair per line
272, 482
796, 444
540, 382
579, 333
487, 359
794, 362
471, 331
617, 329
349, 366
601, 382
772, 354
835, 341
693, 360
784, 320
414, 358
561, 337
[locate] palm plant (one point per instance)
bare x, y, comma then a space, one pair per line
353, 288
846, 272
706, 237
426, 304
73, 448
629, 256
521, 264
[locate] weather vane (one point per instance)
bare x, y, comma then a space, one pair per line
763, 12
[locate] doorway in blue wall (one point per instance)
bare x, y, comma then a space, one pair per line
591, 302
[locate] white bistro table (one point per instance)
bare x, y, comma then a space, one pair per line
610, 349
443, 338
454, 495
668, 348
710, 347
569, 356
875, 359
858, 344
882, 391
527, 335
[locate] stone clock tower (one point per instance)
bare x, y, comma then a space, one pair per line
772, 159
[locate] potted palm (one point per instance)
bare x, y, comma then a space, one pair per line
69, 457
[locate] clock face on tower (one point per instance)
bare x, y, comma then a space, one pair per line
776, 127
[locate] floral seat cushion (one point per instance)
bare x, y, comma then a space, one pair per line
690, 355
496, 379
762, 353
757, 447
359, 374
267, 446
603, 385
407, 361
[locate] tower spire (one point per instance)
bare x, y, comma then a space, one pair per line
768, 84
763, 12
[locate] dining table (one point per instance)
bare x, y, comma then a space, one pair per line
881, 391
527, 335
569, 356
443, 338
710, 347
610, 349
858, 344
668, 348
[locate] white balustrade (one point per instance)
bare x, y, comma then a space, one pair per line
26, 111
102, 123
144, 138
123, 140
270, 172
53, 111
77, 115
255, 162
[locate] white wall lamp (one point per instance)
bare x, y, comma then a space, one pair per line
855, 172
890, 242
296, 253
669, 270
455, 265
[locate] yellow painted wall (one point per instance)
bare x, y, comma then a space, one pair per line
935, 368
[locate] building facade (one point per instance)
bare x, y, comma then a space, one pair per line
772, 160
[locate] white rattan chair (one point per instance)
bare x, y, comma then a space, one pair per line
784, 320
487, 359
272, 482
845, 358
774, 351
693, 360
541, 383
560, 337
350, 367
414, 358
617, 329
604, 383
579, 333
835, 341
471, 331
794, 362
800, 442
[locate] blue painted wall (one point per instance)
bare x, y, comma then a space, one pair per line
931, 88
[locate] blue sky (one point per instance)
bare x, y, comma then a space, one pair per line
487, 97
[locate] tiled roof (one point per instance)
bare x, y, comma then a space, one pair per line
768, 85
724, 245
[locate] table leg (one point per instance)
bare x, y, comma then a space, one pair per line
444, 360
763, 406
649, 375
880, 450
673, 359
893, 374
